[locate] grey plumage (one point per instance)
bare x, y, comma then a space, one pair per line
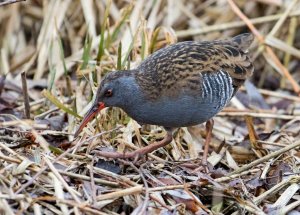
180, 85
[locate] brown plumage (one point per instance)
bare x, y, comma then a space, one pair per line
177, 67
180, 85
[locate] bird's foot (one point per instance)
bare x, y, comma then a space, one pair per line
116, 155
137, 154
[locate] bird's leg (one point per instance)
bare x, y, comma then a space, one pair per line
140, 152
153, 146
209, 126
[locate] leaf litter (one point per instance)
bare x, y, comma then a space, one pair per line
65, 47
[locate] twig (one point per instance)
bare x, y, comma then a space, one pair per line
146, 200
276, 94
284, 70
290, 207
154, 198
258, 115
25, 94
37, 102
60, 178
284, 16
125, 180
265, 158
100, 134
271, 143
69, 174
286, 195
83, 206
13, 197
46, 167
87, 178
231, 25
120, 193
92, 181
252, 134
10, 2
269, 51
276, 188
227, 178
252, 208
170, 187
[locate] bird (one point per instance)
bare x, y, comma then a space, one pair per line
180, 85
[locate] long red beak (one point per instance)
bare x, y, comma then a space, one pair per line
89, 116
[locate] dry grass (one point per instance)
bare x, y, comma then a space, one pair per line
63, 48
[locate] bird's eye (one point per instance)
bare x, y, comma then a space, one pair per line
108, 93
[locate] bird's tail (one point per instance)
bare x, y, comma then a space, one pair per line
243, 41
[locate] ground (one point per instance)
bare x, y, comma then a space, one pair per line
53, 55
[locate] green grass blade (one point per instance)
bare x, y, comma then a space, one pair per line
103, 28
143, 48
86, 52
119, 63
119, 25
154, 39
58, 104
62, 55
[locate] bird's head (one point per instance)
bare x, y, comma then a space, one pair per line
112, 92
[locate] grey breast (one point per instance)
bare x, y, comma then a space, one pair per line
187, 109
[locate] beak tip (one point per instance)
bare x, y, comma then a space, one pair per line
91, 113
76, 134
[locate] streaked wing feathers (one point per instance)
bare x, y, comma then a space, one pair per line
178, 67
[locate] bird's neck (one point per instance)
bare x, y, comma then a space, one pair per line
129, 91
